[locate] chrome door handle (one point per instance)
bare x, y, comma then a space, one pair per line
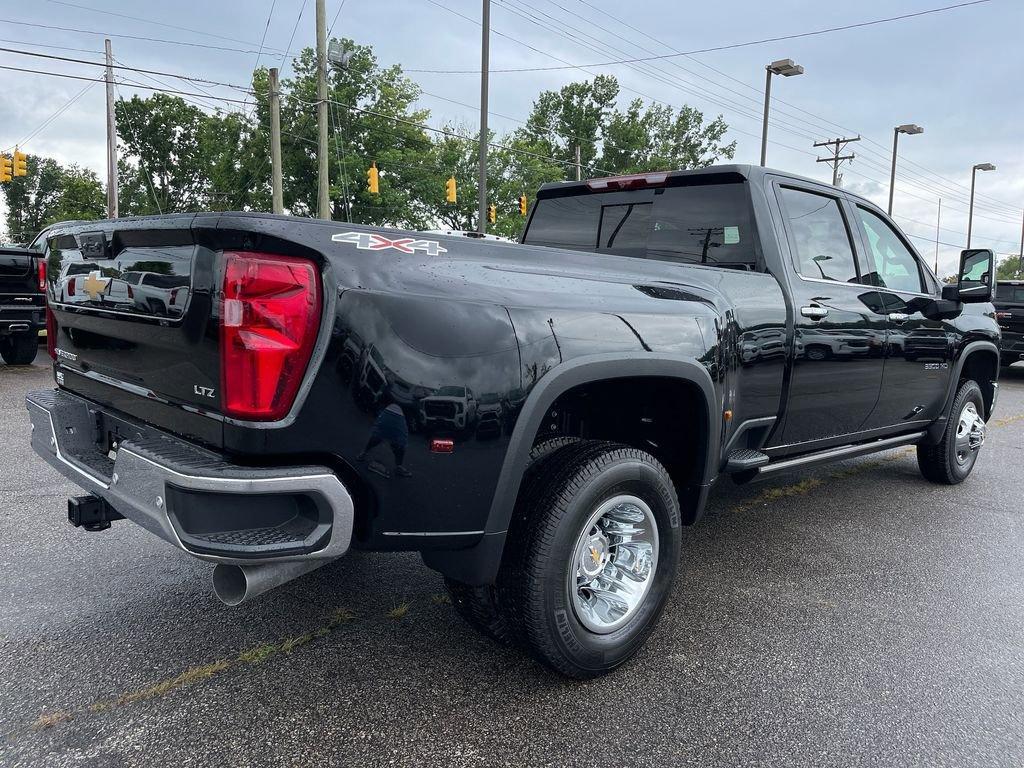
898, 317
814, 312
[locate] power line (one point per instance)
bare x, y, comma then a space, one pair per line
151, 21
726, 47
188, 78
884, 157
60, 111
121, 36
287, 51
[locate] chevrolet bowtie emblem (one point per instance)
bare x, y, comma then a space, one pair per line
95, 285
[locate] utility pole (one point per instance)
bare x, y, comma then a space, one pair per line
485, 56
111, 136
1021, 267
275, 141
323, 190
938, 222
579, 166
837, 146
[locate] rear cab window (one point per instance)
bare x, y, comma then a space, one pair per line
694, 220
1010, 292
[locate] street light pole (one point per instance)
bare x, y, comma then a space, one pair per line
910, 129
970, 213
786, 68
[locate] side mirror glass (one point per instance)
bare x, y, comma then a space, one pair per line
977, 266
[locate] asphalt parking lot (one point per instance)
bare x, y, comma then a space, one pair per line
853, 615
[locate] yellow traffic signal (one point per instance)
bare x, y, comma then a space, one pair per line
20, 159
492, 214
372, 179
449, 187
522, 205
5, 169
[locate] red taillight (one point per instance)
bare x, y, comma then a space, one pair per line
269, 318
71, 286
51, 333
42, 276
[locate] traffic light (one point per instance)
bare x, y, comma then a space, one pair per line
372, 179
450, 194
20, 159
5, 169
522, 205
492, 214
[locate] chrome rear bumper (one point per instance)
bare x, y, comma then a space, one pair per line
190, 497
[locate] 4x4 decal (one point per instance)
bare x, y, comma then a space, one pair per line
371, 241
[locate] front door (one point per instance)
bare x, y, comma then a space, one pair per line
919, 350
838, 344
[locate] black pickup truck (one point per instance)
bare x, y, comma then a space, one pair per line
1009, 304
538, 419
22, 302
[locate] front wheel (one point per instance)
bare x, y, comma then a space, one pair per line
594, 551
952, 459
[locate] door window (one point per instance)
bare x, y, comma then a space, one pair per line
819, 235
891, 264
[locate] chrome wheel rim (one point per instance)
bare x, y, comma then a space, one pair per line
970, 434
613, 563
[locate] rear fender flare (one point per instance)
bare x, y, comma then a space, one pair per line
584, 370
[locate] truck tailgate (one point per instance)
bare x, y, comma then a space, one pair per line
134, 311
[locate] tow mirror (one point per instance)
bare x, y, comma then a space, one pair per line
977, 266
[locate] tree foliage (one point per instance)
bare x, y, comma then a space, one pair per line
177, 155
51, 192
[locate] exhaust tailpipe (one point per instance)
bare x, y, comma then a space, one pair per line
234, 584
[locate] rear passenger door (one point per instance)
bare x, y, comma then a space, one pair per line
918, 350
837, 367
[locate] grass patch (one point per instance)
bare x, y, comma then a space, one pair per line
400, 610
50, 719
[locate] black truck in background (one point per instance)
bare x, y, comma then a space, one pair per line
1009, 304
22, 302
537, 419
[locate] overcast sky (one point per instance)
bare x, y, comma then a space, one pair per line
958, 73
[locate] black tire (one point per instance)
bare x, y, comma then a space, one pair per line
553, 507
19, 349
479, 606
940, 463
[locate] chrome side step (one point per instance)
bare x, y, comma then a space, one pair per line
837, 454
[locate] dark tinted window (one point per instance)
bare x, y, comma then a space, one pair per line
705, 224
819, 236
625, 228
565, 222
1007, 292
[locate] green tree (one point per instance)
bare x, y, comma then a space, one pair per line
1010, 268
51, 192
659, 137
